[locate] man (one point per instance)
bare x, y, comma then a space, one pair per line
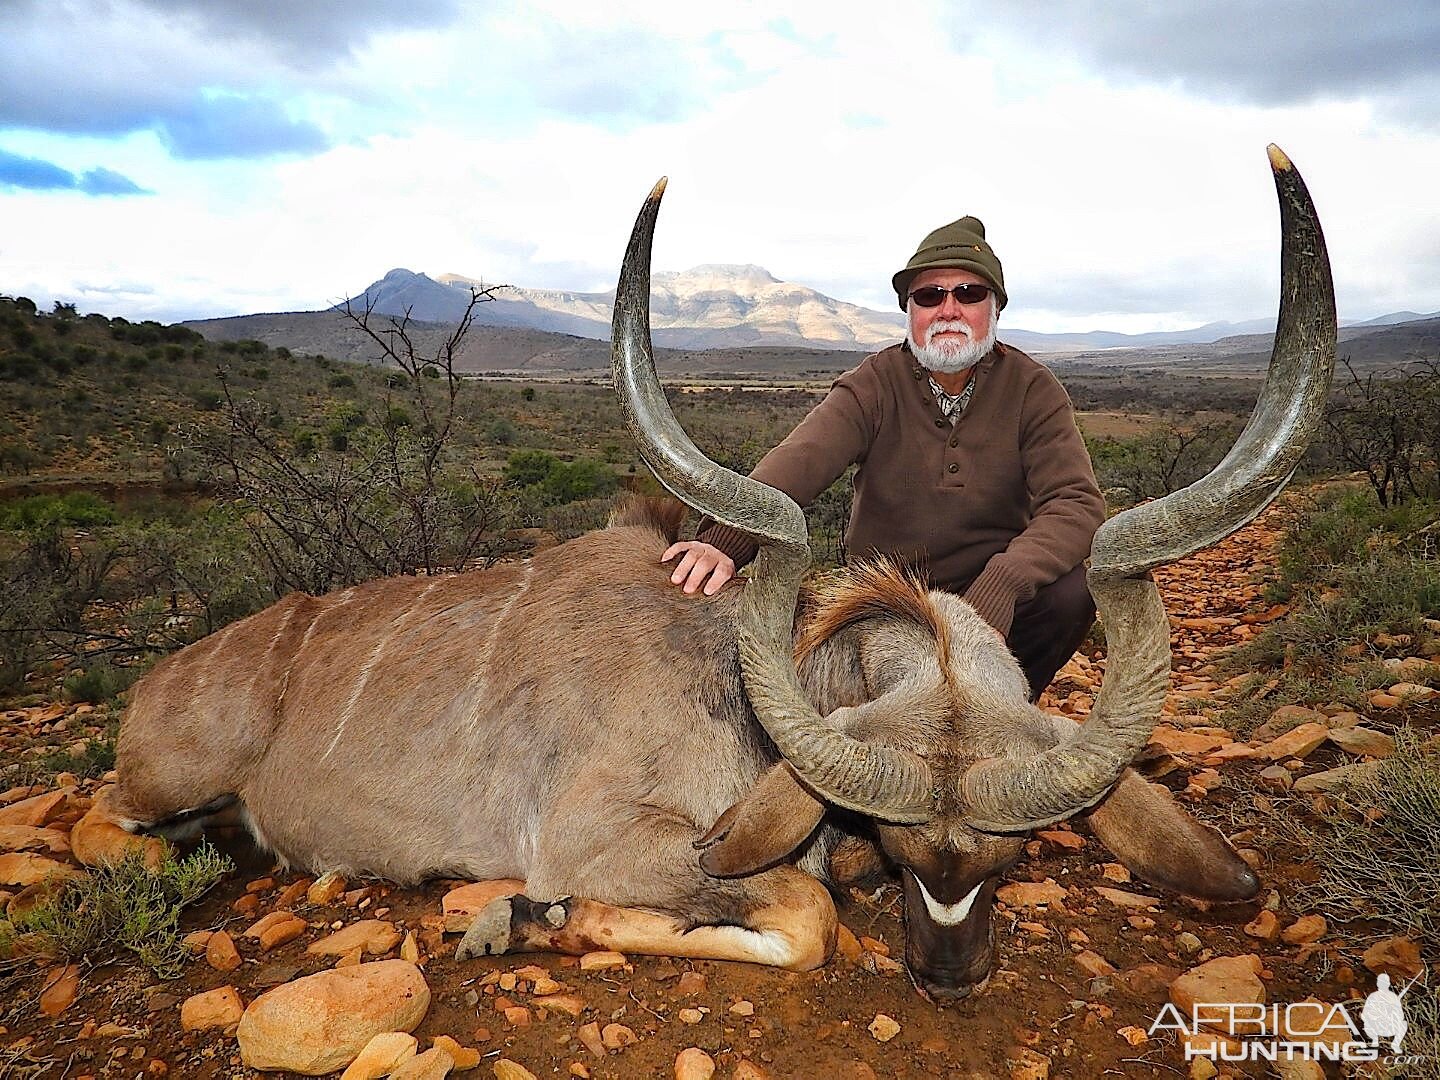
971, 468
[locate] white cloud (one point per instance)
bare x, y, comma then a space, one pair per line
517, 142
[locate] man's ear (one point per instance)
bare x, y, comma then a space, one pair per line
1148, 831
762, 828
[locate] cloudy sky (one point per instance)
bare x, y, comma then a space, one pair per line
183, 158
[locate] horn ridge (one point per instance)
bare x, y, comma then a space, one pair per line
884, 782
1007, 796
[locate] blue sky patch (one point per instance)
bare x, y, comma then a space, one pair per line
36, 174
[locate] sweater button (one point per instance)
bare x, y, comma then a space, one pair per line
939, 421
952, 467
955, 442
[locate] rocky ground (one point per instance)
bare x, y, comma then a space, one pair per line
1087, 957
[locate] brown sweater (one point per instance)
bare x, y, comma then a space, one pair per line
993, 508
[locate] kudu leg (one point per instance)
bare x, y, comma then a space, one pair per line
790, 923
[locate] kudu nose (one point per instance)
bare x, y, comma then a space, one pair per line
941, 994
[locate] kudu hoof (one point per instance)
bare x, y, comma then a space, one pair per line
489, 934
513, 924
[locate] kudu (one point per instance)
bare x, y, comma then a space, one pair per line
577, 724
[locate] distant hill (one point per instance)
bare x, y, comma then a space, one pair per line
498, 349
732, 306
735, 318
706, 307
1370, 346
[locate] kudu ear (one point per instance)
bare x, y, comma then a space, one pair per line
1148, 831
763, 827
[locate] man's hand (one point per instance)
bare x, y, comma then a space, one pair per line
702, 565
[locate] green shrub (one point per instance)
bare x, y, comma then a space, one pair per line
98, 682
1381, 867
570, 481
526, 468
77, 508
1343, 526
94, 759
118, 909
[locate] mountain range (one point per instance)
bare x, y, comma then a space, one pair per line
726, 318
721, 305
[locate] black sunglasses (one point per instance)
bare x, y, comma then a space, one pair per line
934, 295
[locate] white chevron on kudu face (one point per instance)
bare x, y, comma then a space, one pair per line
947, 914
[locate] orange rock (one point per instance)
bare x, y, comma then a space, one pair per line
381, 1056
351, 958
60, 988
282, 933
1304, 930
1032, 894
318, 1023
1298, 742
374, 936
33, 838
1186, 743
1093, 964
505, 1069
220, 952
589, 1036
1363, 741
220, 1008
34, 811
328, 888
1062, 838
692, 983
1409, 691
1234, 979
292, 893
1398, 957
464, 1057
97, 841
1265, 926
25, 868
1227, 754
276, 929
1027, 1064
601, 961
433, 1064
692, 1063
617, 1036
476, 897
517, 1016
883, 1028
1122, 899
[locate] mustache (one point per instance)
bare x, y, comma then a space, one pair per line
947, 326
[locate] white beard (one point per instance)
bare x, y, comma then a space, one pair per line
950, 355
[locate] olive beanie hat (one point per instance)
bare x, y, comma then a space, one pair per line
960, 246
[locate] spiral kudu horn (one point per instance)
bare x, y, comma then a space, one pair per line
1004, 795
885, 783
